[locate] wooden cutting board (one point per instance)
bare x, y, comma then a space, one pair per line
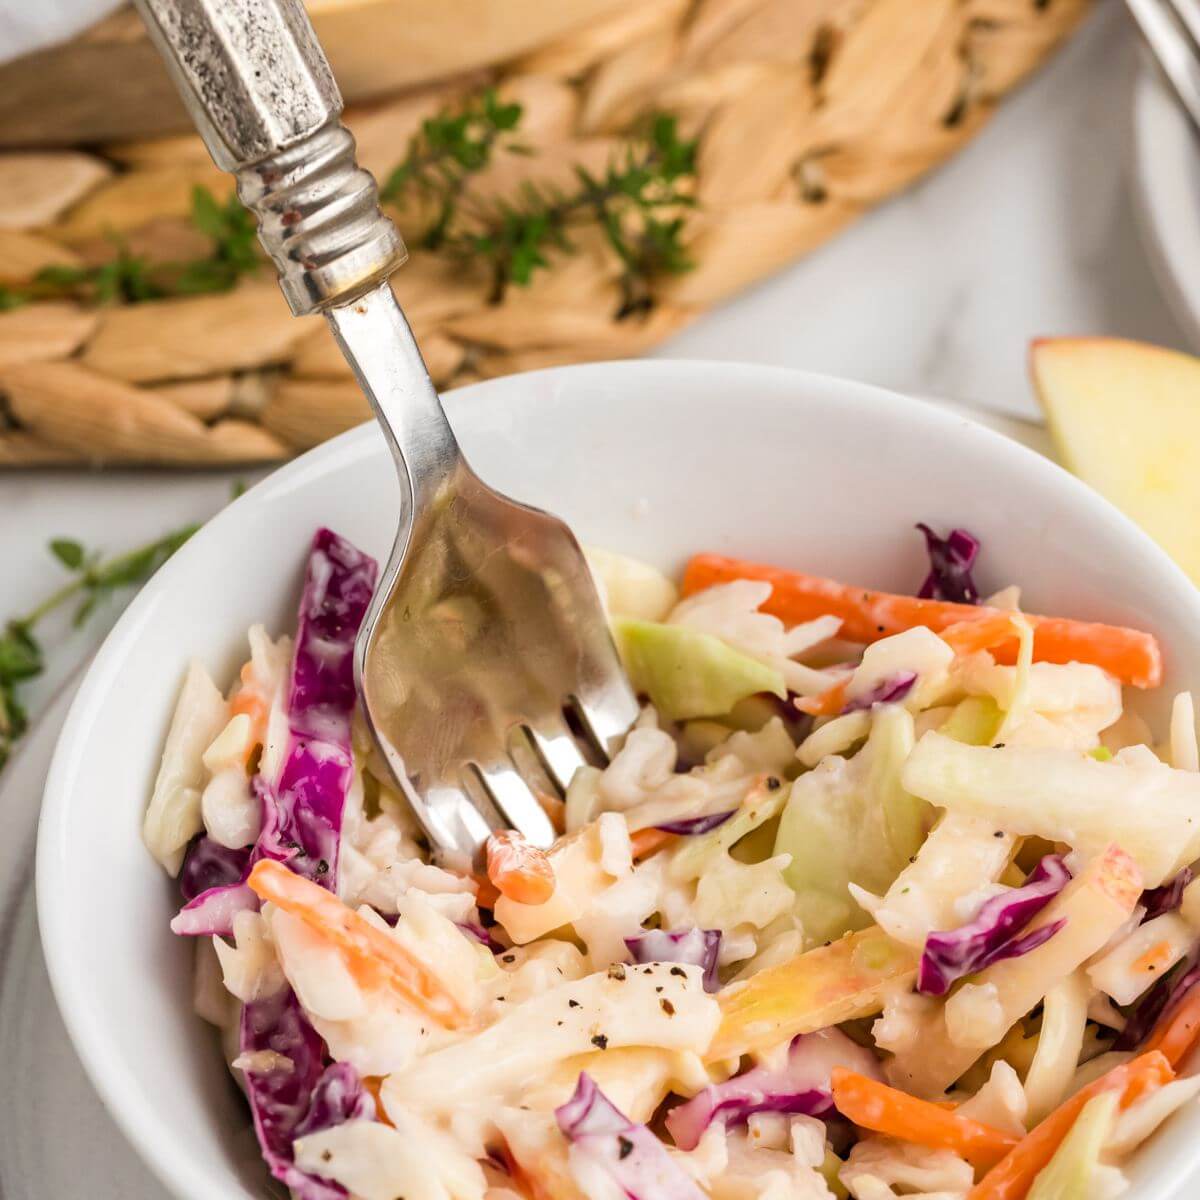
109, 84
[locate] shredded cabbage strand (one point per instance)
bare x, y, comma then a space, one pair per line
991, 936
801, 1085
697, 947
608, 1148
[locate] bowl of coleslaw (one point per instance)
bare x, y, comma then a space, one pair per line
888, 893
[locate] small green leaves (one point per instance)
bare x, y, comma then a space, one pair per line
68, 552
450, 147
636, 202
93, 581
130, 279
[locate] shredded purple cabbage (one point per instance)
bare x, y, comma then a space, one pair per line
886, 691
697, 825
208, 865
695, 947
950, 563
1168, 897
481, 935
302, 811
802, 1085
1164, 996
338, 1097
607, 1145
288, 1101
991, 936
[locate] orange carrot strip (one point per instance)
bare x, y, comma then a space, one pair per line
1178, 1030
486, 892
519, 869
646, 841
873, 1105
983, 633
1013, 1176
828, 704
1129, 654
373, 957
374, 1085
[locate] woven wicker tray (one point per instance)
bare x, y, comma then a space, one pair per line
807, 113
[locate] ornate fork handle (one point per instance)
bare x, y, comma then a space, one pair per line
260, 90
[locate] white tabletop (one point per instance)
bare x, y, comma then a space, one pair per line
1029, 231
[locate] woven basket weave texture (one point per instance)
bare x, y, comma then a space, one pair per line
806, 113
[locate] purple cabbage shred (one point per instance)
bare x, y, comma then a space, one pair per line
1168, 897
694, 947
950, 562
691, 826
607, 1143
300, 1096
208, 865
992, 935
301, 811
888, 691
801, 1085
1163, 997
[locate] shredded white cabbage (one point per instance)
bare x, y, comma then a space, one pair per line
908, 814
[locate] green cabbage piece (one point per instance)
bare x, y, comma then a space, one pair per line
1069, 1174
689, 674
851, 821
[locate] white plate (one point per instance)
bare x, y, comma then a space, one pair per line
1166, 182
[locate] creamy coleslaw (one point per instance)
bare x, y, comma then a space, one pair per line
884, 895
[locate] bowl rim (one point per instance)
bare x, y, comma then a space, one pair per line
154, 1139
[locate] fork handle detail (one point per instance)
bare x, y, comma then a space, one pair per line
260, 90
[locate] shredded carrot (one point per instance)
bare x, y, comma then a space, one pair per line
646, 841
372, 956
518, 869
983, 633
1013, 1176
486, 892
250, 701
374, 1086
1129, 654
828, 704
1178, 1031
873, 1105
1157, 956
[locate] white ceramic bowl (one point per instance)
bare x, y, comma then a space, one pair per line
655, 458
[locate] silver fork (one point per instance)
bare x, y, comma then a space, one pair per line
1171, 30
485, 664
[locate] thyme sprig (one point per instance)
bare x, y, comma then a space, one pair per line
130, 279
93, 580
636, 202
449, 148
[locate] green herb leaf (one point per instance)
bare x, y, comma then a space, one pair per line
637, 201
69, 553
130, 279
94, 581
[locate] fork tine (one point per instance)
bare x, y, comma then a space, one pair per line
1172, 49
516, 802
607, 712
450, 815
558, 750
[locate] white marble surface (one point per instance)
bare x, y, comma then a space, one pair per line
1029, 231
